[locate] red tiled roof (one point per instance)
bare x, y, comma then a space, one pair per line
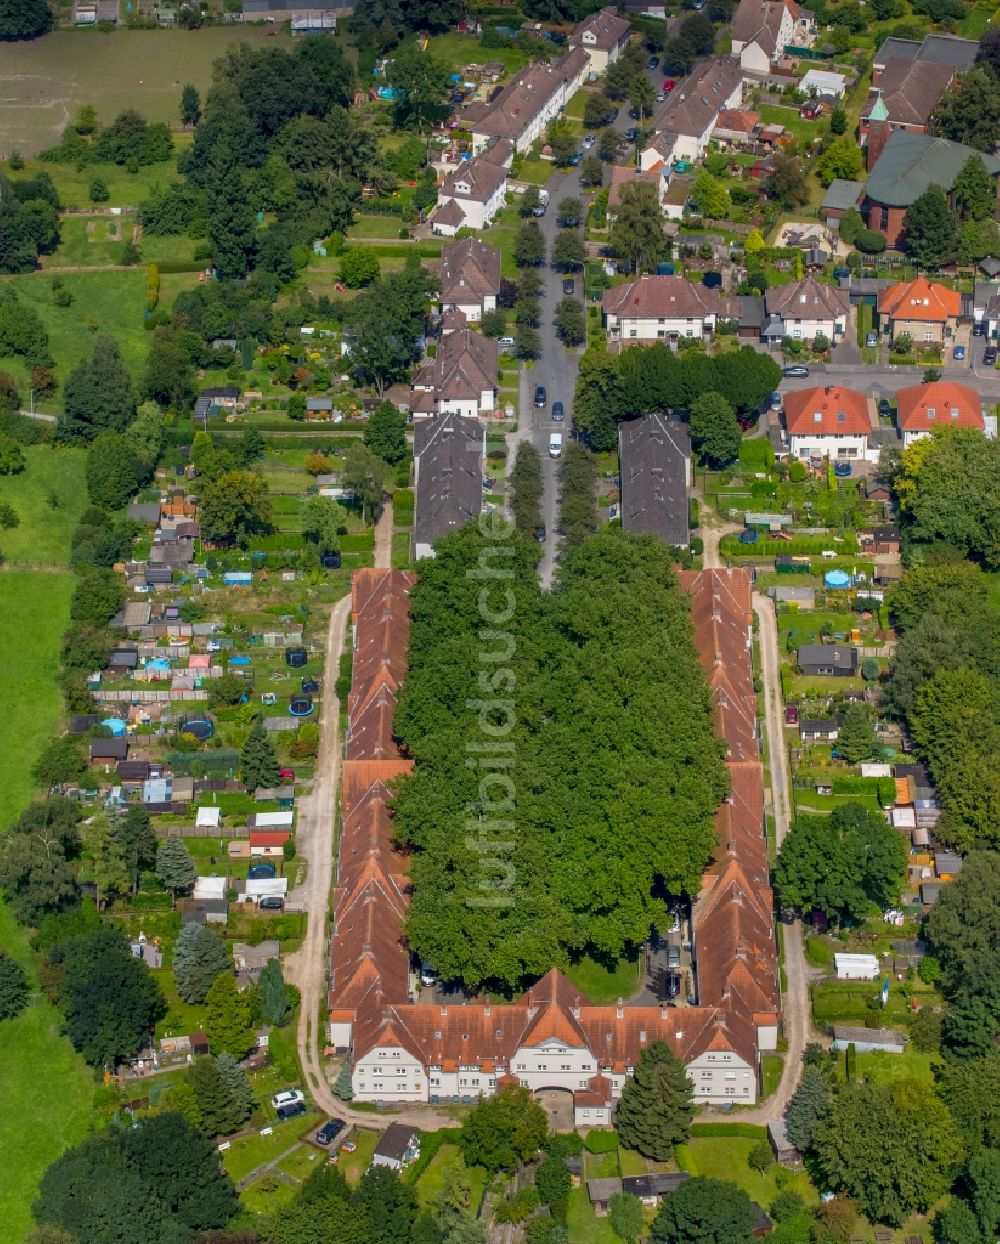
668, 297
269, 837
922, 300
941, 404
832, 411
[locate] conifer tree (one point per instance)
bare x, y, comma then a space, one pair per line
199, 958
656, 1105
258, 760
174, 866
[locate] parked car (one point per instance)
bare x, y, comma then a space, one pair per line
569, 285
630, 133
540, 395
292, 1111
557, 412
576, 157
661, 96
673, 956
272, 902
329, 1132
791, 714
884, 408
958, 354
673, 984
505, 341
539, 533
979, 329
288, 1097
797, 370
871, 340
990, 356
669, 84
775, 401
589, 141
653, 62
288, 775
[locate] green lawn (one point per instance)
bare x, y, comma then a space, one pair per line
584, 1227
432, 1181
47, 80
124, 189
246, 1155
43, 533
374, 228
181, 1017
772, 1066
973, 25
777, 114
725, 1157
46, 1089
459, 50
537, 172
34, 612
601, 985
355, 1164
882, 1068
111, 302
846, 1002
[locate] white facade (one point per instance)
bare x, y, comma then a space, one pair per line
628, 329
856, 967
817, 445
807, 329
473, 311
753, 58
536, 123
392, 1074
479, 213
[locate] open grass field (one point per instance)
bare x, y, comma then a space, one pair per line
111, 301
458, 50
583, 1225
42, 538
34, 612
47, 80
604, 986
725, 1157
124, 189
46, 1089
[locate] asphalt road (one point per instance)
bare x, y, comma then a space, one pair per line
883, 380
557, 368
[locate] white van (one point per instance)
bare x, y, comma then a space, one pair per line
555, 445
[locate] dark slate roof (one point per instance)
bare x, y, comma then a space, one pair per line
448, 452
654, 1185
840, 657
910, 162
654, 452
843, 194
395, 1141
145, 512
109, 749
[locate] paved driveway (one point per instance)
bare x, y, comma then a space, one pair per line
558, 1105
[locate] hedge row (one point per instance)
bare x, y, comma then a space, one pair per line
749, 1131
847, 544
402, 507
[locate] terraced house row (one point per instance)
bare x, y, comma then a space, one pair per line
552, 1037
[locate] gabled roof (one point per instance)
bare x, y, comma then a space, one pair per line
936, 49
470, 270
477, 180
907, 92
941, 404
759, 21
606, 30
693, 104
737, 120
909, 163
829, 411
808, 299
654, 452
464, 367
528, 93
448, 452
450, 214
920, 299
666, 297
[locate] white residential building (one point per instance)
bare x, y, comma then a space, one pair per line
603, 36
658, 308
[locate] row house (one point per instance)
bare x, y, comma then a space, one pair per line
470, 197
526, 105
805, 309
661, 308
470, 278
448, 453
551, 1037
941, 404
603, 36
683, 123
461, 379
831, 422
762, 29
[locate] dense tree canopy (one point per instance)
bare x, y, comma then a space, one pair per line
24, 19
503, 1131
37, 854
705, 1211
893, 1148
848, 864
29, 216
610, 802
98, 395
161, 1183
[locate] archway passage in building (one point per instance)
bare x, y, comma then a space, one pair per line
558, 1105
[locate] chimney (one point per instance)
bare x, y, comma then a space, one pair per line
486, 1009
663, 1012
444, 1011
620, 1009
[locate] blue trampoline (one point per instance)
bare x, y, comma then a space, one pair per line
115, 725
301, 706
837, 579
201, 727
158, 663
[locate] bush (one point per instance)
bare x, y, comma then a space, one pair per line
601, 1140
870, 242
797, 472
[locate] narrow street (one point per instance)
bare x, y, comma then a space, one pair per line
317, 817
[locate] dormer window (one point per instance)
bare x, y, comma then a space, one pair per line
841, 417
818, 416
931, 412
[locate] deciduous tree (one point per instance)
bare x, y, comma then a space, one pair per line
14, 991
385, 434
705, 1211
97, 396
636, 235
234, 507
930, 229
715, 432
503, 1131
228, 1019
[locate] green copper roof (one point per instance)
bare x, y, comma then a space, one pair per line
879, 111
909, 163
